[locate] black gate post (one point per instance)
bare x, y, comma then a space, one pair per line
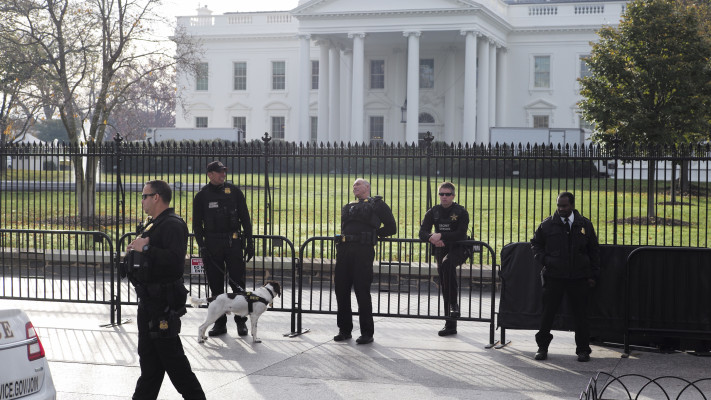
119, 219
616, 145
428, 152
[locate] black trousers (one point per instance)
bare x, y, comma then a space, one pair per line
354, 269
158, 357
447, 263
577, 292
224, 255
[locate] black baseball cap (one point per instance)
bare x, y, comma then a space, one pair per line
215, 166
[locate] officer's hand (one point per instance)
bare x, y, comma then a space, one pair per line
249, 251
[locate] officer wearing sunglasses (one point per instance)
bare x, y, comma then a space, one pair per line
450, 221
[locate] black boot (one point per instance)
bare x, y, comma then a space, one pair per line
454, 311
450, 328
241, 325
220, 327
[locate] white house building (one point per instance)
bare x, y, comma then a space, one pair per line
391, 70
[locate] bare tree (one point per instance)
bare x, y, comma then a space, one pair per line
89, 53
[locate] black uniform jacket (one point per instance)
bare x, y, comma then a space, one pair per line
168, 246
452, 222
214, 208
367, 215
568, 256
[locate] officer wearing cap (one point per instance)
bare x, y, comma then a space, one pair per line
362, 222
223, 230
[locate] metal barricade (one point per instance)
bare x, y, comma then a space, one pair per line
405, 282
57, 265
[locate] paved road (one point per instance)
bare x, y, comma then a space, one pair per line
407, 360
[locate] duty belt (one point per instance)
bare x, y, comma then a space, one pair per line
363, 237
224, 235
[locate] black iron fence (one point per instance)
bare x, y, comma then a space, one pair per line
633, 196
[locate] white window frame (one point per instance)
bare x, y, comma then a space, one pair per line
370, 128
202, 80
313, 129
235, 77
272, 76
541, 115
271, 127
532, 77
243, 128
200, 119
419, 73
314, 76
370, 74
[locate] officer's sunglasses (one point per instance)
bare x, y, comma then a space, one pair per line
446, 194
147, 195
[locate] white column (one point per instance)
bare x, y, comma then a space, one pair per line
323, 91
492, 84
347, 96
450, 98
334, 94
357, 134
304, 86
502, 80
482, 112
413, 87
470, 76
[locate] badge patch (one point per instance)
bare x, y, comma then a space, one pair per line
454, 217
227, 190
163, 325
213, 204
582, 230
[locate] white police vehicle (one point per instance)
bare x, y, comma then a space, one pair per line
24, 371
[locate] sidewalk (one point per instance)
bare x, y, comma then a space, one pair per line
407, 360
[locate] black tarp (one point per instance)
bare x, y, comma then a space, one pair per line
670, 288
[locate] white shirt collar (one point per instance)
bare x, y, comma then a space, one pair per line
570, 218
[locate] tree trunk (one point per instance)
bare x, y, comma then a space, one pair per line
85, 188
673, 183
651, 190
685, 178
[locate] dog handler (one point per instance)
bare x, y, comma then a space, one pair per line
158, 258
219, 210
361, 222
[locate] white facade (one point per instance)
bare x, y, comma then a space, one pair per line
462, 65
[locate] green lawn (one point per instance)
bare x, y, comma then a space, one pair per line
304, 205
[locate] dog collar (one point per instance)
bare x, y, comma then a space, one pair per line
270, 292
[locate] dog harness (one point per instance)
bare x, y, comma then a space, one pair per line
251, 298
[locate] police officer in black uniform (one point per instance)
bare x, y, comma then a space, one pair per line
567, 247
361, 222
219, 211
157, 261
451, 222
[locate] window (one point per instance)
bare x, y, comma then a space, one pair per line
278, 75
240, 123
201, 122
540, 121
541, 71
376, 128
278, 127
377, 74
201, 78
426, 118
314, 129
314, 75
427, 73
240, 76
584, 68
